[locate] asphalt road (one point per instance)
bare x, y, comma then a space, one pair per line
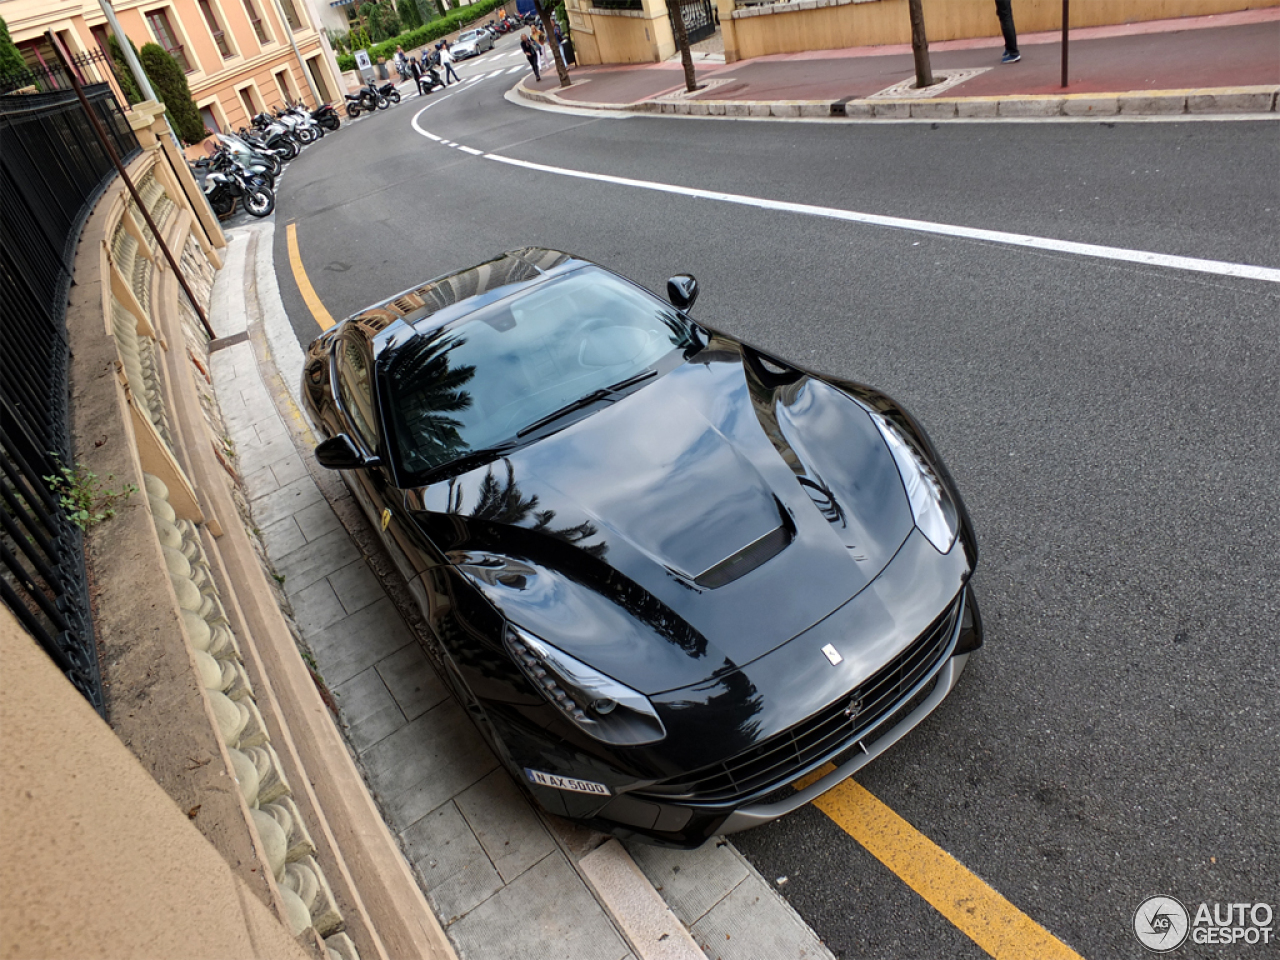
1114, 428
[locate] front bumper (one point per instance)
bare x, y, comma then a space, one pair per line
897, 615
690, 824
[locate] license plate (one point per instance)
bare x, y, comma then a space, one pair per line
566, 783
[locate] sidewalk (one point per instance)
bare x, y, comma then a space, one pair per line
505, 880
1224, 64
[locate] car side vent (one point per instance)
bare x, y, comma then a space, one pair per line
745, 560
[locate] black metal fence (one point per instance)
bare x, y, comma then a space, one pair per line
52, 171
51, 77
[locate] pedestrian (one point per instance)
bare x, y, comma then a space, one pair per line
446, 62
540, 38
416, 71
402, 67
530, 52
1004, 10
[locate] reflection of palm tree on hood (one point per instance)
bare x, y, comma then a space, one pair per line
504, 503
426, 387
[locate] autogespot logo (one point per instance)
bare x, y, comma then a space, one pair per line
1161, 924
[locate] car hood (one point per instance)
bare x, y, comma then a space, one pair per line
622, 538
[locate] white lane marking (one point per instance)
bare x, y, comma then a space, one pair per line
471, 150
1192, 264
516, 69
474, 79
496, 73
1218, 267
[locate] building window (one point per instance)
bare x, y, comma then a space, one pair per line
100, 34
163, 29
219, 36
259, 27
291, 14
210, 121
250, 109
286, 91
317, 75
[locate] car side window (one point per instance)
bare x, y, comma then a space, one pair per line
356, 391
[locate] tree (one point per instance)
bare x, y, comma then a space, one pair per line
920, 45
170, 85
10, 56
382, 20
682, 43
410, 16
128, 85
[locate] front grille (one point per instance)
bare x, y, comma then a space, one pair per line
788, 755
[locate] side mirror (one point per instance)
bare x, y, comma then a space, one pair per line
340, 453
682, 290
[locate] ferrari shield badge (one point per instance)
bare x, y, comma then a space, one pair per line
386, 518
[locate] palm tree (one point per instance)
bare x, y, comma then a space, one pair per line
920, 45
549, 28
682, 43
425, 388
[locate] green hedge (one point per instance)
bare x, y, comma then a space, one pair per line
10, 56
170, 85
454, 20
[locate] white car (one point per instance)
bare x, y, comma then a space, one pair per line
472, 43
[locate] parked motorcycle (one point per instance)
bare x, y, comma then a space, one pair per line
389, 91
224, 189
366, 99
253, 172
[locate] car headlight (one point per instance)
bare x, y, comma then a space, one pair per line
598, 705
931, 506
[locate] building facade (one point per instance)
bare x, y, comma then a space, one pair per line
241, 57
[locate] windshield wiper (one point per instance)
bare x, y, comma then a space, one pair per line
604, 393
468, 460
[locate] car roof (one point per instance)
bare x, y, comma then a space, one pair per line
446, 298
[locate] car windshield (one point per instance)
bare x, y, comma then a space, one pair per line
476, 384
468, 36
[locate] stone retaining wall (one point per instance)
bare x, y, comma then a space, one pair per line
187, 617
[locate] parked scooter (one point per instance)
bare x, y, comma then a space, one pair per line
430, 79
298, 119
275, 136
225, 188
249, 153
326, 117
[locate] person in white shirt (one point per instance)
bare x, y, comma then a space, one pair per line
446, 64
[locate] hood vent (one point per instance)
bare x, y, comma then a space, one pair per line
745, 560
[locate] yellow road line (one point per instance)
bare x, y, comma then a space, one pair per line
308, 292
980, 913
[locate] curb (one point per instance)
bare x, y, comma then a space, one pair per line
1208, 101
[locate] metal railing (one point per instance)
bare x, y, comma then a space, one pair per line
53, 169
93, 67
